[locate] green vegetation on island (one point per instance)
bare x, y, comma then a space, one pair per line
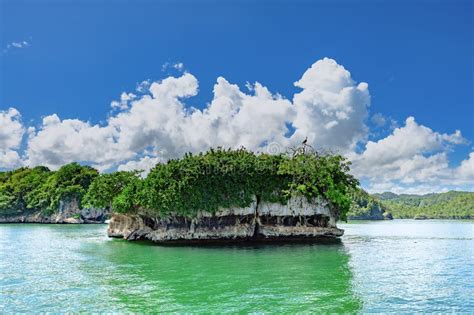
38, 188
220, 178
202, 182
226, 178
367, 207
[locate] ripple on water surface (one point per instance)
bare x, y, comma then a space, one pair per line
378, 266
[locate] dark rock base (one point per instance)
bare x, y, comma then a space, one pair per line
225, 229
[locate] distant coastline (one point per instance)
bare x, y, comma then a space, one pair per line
453, 205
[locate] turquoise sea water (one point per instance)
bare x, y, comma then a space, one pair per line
390, 266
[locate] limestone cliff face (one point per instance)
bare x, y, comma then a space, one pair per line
68, 212
298, 219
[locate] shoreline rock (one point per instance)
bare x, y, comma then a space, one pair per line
68, 212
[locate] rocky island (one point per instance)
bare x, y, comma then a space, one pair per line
235, 195
219, 195
68, 212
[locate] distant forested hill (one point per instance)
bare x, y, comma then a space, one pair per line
449, 205
367, 207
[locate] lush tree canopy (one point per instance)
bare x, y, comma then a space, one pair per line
106, 187
22, 188
40, 189
206, 181
367, 207
225, 178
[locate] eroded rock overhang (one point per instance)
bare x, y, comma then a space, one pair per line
298, 219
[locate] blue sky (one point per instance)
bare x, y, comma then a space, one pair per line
416, 56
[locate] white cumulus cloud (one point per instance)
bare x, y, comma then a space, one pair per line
466, 170
412, 155
11, 135
144, 164
58, 142
332, 108
155, 123
330, 111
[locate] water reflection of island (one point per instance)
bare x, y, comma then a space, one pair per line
251, 278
